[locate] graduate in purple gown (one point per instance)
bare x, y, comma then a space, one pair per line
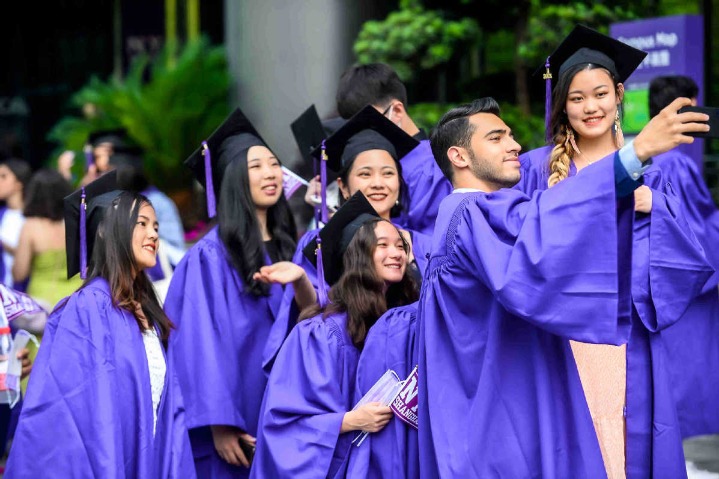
692, 343
512, 279
103, 400
586, 126
366, 153
222, 308
378, 85
307, 421
390, 344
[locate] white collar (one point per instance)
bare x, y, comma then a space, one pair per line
467, 190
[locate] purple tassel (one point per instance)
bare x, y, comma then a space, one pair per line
547, 101
318, 208
209, 187
323, 181
89, 159
322, 298
83, 236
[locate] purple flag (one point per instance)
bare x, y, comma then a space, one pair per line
405, 405
291, 182
16, 303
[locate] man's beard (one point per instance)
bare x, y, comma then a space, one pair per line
486, 172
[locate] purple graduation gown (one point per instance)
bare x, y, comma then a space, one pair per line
288, 311
427, 187
692, 344
221, 334
499, 390
88, 409
391, 452
310, 389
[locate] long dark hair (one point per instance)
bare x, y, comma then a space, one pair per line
113, 260
360, 292
563, 150
240, 231
402, 198
44, 193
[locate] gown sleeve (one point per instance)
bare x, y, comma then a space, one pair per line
554, 259
70, 425
304, 405
216, 324
670, 268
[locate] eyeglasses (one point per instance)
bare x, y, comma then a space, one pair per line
386, 110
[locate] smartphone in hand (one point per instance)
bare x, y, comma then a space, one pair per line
713, 113
248, 450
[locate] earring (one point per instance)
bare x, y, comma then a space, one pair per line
396, 203
570, 137
618, 133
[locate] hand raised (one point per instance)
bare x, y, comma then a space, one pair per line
282, 272
313, 191
668, 130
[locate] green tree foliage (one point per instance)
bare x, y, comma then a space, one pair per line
413, 39
168, 115
528, 130
549, 24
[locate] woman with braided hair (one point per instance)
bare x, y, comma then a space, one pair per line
584, 125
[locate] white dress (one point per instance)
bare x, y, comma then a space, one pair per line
157, 367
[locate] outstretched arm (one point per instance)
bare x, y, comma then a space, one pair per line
284, 272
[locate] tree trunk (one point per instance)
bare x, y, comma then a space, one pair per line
520, 69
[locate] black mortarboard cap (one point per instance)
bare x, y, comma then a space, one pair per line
585, 45
126, 156
337, 234
331, 125
368, 129
83, 211
235, 135
309, 135
308, 132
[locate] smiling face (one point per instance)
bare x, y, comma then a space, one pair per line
145, 238
374, 173
265, 177
390, 257
493, 153
592, 103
